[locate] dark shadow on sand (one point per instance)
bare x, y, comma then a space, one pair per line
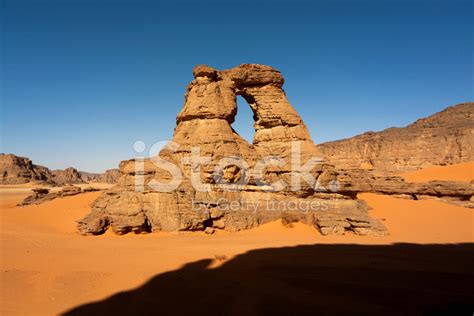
396, 279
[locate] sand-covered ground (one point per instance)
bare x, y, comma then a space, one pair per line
48, 268
458, 172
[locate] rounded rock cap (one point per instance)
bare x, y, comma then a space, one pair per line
204, 71
256, 75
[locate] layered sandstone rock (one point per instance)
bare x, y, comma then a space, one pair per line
67, 176
361, 180
444, 138
18, 170
41, 195
229, 198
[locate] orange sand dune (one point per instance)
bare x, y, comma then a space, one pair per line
48, 268
458, 172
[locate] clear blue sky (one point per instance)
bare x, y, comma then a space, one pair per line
83, 80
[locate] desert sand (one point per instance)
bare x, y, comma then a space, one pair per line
48, 268
458, 172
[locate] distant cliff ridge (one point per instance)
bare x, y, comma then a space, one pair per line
109, 176
18, 170
446, 137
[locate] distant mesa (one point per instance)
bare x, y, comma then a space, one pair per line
444, 138
20, 170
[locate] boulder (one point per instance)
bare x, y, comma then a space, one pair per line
70, 190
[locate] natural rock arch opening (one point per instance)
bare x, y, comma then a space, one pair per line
244, 120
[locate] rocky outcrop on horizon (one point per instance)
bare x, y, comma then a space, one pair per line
110, 176
205, 122
444, 138
89, 176
67, 176
20, 170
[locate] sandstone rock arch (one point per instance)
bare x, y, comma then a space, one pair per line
212, 95
205, 121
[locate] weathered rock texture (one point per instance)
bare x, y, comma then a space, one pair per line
67, 176
41, 195
360, 180
205, 122
17, 170
444, 138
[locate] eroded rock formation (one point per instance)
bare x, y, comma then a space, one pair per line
67, 176
18, 170
444, 138
361, 180
41, 195
109, 176
205, 122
